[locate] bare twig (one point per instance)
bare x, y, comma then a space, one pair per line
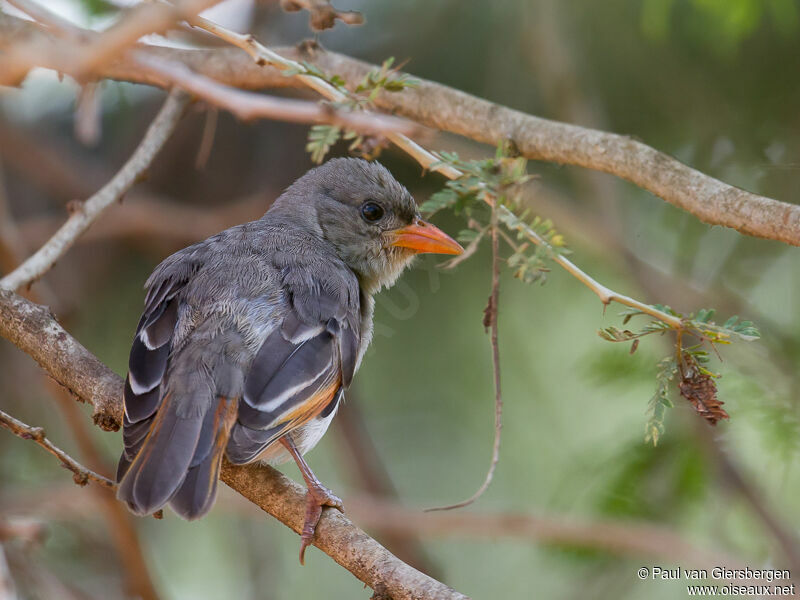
322, 14
89, 115
34, 330
207, 141
44, 258
490, 323
100, 50
82, 475
51, 20
247, 105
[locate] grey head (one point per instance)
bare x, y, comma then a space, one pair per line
367, 216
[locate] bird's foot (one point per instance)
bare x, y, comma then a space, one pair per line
317, 496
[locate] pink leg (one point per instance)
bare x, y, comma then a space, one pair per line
317, 496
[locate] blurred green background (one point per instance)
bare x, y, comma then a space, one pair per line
712, 82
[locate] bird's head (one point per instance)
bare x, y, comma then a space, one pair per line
370, 219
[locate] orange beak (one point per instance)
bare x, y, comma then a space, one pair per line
422, 237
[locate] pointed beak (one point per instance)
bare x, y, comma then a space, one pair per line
422, 237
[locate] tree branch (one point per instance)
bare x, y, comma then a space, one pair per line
44, 258
35, 331
442, 107
81, 474
99, 51
336, 535
247, 105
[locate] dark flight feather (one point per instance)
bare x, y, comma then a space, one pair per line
161, 464
198, 490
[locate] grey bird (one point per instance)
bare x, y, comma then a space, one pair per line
249, 338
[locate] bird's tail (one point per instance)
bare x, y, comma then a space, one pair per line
196, 495
177, 458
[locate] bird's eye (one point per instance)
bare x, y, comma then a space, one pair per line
371, 211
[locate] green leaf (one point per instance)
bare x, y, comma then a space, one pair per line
660, 402
442, 199
320, 140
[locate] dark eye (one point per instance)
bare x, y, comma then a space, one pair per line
371, 211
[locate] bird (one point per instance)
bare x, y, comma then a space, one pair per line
249, 339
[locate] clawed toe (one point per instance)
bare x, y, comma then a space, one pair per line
316, 497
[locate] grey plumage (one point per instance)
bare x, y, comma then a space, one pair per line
254, 333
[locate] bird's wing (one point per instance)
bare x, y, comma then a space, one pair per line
183, 387
150, 351
300, 368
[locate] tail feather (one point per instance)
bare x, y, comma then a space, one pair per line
197, 493
160, 466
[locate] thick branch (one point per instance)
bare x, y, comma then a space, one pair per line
34, 330
443, 107
82, 218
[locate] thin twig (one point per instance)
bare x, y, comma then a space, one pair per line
207, 139
44, 258
82, 475
51, 20
490, 322
248, 105
322, 14
263, 56
89, 115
